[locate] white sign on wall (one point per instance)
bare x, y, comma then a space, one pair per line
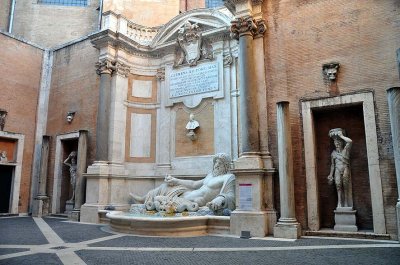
194, 80
245, 197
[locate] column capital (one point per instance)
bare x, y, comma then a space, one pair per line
105, 66
247, 25
261, 28
161, 74
122, 69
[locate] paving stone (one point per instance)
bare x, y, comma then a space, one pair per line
75, 232
5, 251
20, 231
311, 257
216, 242
37, 259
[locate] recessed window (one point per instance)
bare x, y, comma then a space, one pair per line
64, 2
214, 3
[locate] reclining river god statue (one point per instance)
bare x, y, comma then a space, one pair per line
216, 191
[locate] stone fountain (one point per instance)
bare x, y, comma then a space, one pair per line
181, 207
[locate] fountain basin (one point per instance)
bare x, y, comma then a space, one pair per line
180, 226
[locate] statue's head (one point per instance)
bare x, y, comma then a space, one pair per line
221, 164
338, 143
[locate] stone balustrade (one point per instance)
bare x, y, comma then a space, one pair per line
119, 24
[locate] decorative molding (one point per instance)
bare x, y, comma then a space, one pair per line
105, 66
161, 74
228, 59
243, 26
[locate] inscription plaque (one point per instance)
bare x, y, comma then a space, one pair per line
195, 80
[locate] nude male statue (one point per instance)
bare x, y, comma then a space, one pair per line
71, 162
340, 166
216, 191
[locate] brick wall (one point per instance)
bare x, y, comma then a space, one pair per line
20, 67
363, 38
74, 87
50, 25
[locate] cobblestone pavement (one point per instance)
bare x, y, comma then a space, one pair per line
27, 240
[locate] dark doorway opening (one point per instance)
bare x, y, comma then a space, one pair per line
6, 174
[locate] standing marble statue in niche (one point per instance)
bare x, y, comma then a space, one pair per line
216, 191
71, 163
340, 167
191, 126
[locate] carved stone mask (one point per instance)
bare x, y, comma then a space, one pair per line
330, 70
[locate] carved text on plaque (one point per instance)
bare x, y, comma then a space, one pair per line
195, 80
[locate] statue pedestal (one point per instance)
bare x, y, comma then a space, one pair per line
250, 214
345, 219
69, 206
74, 215
290, 229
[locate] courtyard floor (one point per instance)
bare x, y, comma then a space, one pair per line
27, 240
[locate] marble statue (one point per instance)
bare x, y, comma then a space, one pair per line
71, 162
3, 156
191, 126
340, 167
216, 191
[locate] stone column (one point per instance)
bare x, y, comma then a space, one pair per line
287, 226
394, 112
244, 30
105, 178
163, 125
81, 168
41, 200
105, 69
249, 168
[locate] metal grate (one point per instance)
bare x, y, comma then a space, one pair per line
64, 2
214, 3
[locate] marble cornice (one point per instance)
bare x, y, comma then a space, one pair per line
109, 38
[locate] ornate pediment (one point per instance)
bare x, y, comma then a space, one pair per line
208, 22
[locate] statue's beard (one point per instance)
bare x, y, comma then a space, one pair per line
218, 172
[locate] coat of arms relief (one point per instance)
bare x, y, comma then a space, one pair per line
191, 46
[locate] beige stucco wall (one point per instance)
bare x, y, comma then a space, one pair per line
5, 6
50, 25
144, 12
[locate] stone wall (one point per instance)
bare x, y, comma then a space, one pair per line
50, 25
363, 38
20, 65
74, 87
144, 12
